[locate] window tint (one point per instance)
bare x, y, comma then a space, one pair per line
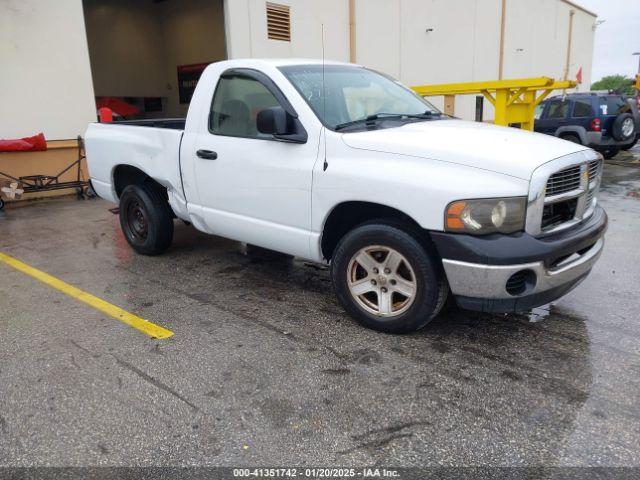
235, 106
582, 108
613, 106
558, 109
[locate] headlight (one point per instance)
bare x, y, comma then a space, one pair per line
487, 215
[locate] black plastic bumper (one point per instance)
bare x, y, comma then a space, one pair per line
515, 250
497, 249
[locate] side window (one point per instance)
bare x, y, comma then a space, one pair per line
613, 106
582, 108
558, 109
538, 111
236, 103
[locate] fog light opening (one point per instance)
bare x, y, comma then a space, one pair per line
521, 282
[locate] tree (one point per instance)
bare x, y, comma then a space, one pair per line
615, 83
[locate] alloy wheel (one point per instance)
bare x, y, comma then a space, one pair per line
382, 281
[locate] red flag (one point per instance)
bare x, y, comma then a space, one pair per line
579, 76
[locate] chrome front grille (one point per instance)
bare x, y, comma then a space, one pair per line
594, 167
563, 181
563, 192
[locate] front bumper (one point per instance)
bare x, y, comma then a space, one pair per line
478, 269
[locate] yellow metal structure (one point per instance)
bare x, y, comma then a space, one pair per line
514, 100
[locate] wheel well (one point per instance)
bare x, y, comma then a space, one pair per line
348, 215
125, 175
569, 134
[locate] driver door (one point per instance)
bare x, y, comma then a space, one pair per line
251, 186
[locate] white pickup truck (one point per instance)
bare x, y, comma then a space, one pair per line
341, 164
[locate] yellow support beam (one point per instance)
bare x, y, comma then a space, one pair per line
514, 100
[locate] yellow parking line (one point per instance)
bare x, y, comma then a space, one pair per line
118, 313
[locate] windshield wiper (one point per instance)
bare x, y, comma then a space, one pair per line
371, 119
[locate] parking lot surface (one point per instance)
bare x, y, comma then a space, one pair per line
264, 368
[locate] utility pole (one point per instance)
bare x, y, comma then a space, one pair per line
568, 59
503, 14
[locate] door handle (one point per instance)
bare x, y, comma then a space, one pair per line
207, 154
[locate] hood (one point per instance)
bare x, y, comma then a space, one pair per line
505, 150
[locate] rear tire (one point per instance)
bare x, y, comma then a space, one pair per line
609, 153
628, 146
388, 278
146, 219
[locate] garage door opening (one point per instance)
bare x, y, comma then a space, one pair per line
149, 54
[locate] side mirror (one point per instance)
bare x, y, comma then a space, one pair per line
283, 126
272, 121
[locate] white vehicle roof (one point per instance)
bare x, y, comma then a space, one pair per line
281, 62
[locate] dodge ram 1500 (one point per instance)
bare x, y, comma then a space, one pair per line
340, 164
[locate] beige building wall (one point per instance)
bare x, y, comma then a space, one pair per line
450, 41
136, 45
246, 26
427, 41
45, 79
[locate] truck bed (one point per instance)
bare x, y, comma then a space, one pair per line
153, 149
171, 123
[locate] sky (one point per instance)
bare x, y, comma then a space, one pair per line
617, 38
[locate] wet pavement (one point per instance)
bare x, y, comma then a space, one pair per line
266, 369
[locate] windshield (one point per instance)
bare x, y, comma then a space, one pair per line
354, 93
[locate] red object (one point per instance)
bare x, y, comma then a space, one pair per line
579, 76
595, 125
119, 106
37, 143
105, 114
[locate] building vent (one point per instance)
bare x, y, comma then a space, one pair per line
278, 22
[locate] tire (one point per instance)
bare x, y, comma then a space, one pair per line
624, 127
628, 146
146, 219
570, 137
611, 152
415, 267
89, 192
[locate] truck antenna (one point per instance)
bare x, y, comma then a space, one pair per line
324, 106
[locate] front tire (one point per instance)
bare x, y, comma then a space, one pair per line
146, 219
388, 278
